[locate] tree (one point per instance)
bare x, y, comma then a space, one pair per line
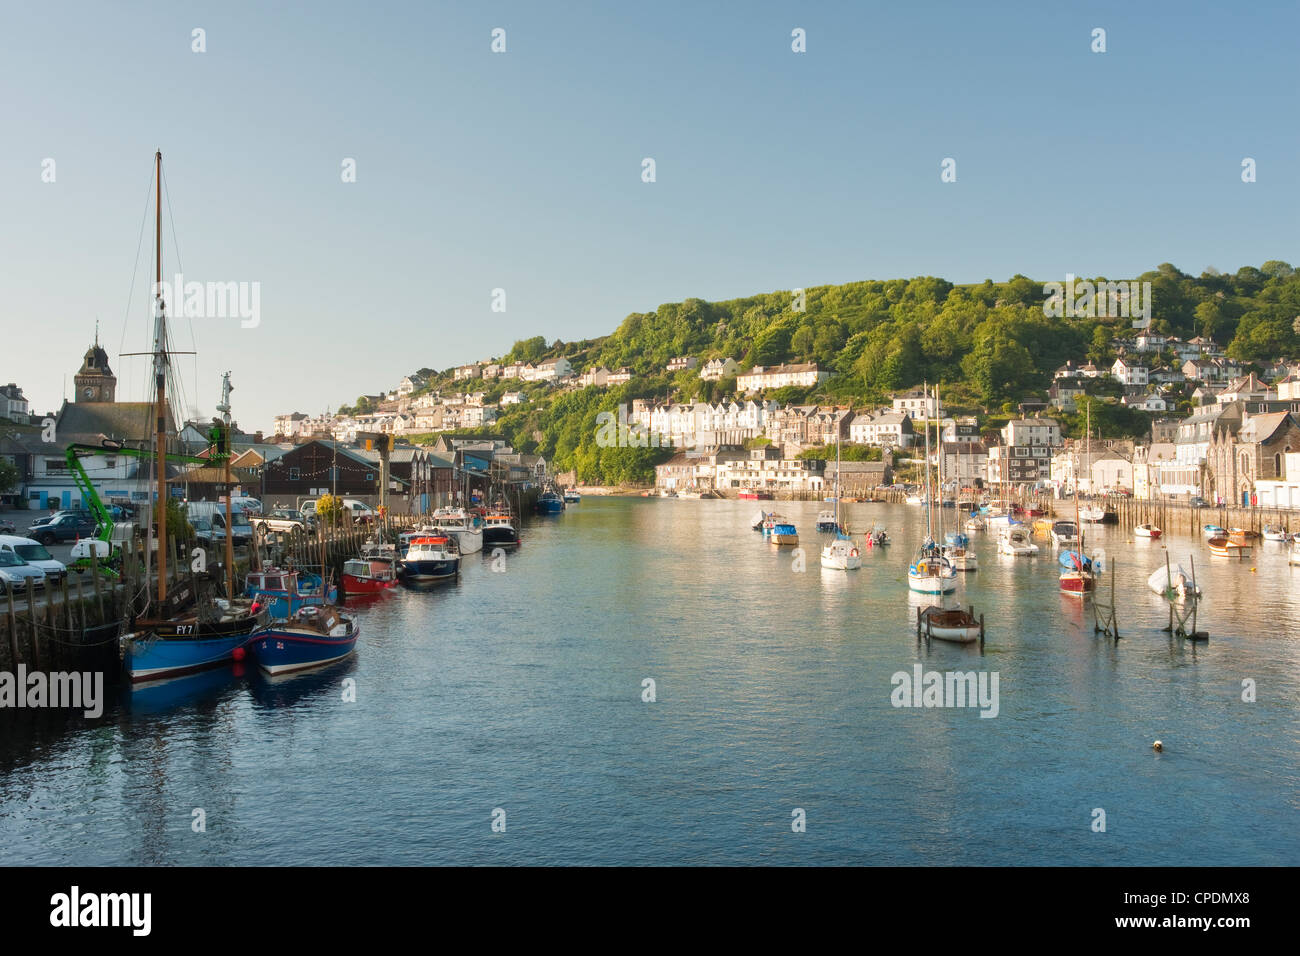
329, 509
8, 476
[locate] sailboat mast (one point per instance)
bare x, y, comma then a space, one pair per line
925, 418
160, 383
938, 436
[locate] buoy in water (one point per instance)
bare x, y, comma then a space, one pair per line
238, 654
1157, 746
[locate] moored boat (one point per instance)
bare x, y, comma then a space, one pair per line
1147, 531
1015, 540
783, 534
550, 503
826, 521
1078, 576
1173, 583
499, 530
841, 555
954, 625
462, 526
431, 558
930, 572
1228, 546
1214, 531
369, 575
283, 591
957, 550
1065, 534
1274, 532
571, 496
313, 637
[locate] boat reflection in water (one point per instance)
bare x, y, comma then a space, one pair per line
273, 692
202, 688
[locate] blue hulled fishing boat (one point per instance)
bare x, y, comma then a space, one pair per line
313, 637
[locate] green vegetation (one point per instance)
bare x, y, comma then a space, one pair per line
988, 346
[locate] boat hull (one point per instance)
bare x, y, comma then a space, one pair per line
953, 626
430, 569
161, 652
1077, 583
355, 585
283, 650
500, 536
932, 583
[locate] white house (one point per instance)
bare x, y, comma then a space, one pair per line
466, 371
13, 406
1129, 373
512, 398
882, 427
682, 362
917, 404
549, 370
620, 377
718, 368
780, 376
1032, 431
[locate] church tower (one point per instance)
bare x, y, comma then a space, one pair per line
95, 381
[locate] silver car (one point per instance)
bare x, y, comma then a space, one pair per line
15, 572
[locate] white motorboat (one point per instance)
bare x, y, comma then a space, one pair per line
461, 525
1065, 534
975, 523
914, 500
842, 555
1015, 540
1147, 531
1274, 533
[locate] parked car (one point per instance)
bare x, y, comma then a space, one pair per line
282, 519
34, 553
207, 533
7, 526
214, 512
1199, 502
15, 572
63, 526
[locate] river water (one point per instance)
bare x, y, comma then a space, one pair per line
518, 696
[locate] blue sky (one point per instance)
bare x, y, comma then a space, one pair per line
522, 170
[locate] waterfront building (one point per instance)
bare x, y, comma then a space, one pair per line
918, 404
719, 368
13, 404
780, 376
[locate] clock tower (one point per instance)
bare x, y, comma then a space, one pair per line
95, 381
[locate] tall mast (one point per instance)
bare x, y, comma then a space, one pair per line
925, 417
160, 382
224, 408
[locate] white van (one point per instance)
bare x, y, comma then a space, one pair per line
35, 553
215, 512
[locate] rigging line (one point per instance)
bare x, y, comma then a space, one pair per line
180, 267
144, 217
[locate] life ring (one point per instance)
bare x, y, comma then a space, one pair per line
854, 553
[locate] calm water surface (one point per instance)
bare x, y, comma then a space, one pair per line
522, 691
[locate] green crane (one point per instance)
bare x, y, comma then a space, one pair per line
108, 557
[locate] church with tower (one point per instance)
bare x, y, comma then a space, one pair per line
95, 381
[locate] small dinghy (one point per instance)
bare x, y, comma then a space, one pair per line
1147, 531
1273, 533
1228, 546
949, 624
1214, 531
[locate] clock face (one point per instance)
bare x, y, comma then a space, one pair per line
88, 391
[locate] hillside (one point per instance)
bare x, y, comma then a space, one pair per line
987, 345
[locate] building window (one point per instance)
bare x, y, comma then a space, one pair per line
294, 474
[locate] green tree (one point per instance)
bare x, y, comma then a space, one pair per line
8, 476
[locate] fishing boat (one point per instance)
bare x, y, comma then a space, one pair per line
313, 637
1015, 540
283, 591
1065, 534
461, 525
1147, 531
783, 534
770, 521
571, 496
369, 575
499, 530
826, 521
878, 537
185, 627
949, 624
1274, 532
1173, 583
431, 558
1214, 531
550, 503
754, 494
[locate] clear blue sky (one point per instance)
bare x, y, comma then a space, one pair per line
522, 170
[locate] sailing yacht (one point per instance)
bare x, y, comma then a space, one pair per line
930, 572
190, 628
842, 554
1078, 576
